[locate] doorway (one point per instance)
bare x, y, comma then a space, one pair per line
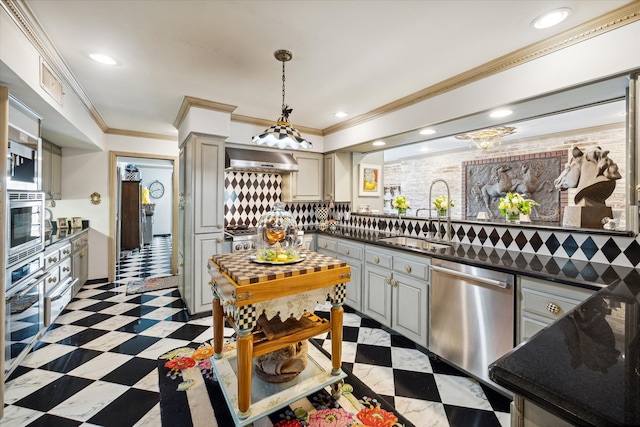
169, 200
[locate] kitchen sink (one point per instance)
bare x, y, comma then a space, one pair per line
413, 242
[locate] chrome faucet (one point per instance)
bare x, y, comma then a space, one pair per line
448, 230
421, 209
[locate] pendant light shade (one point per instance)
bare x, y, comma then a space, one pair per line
282, 134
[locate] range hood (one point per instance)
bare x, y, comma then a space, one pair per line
238, 159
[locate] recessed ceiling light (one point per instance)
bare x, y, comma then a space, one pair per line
424, 149
550, 19
103, 59
379, 143
341, 114
500, 113
427, 132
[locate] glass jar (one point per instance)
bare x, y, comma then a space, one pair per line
277, 236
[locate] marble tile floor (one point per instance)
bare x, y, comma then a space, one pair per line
96, 365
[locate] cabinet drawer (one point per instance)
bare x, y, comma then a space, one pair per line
414, 267
327, 244
65, 251
530, 327
53, 280
51, 258
546, 305
65, 269
350, 250
378, 258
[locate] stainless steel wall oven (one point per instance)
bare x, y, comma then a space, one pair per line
24, 309
25, 225
24, 165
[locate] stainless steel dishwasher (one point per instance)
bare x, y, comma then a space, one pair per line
472, 315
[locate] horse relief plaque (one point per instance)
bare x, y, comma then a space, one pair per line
532, 175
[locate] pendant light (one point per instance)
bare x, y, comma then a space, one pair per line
487, 138
282, 134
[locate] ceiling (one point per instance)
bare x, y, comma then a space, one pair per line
352, 56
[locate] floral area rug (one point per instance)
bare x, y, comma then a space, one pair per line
191, 397
152, 284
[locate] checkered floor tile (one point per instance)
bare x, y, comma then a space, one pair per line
96, 365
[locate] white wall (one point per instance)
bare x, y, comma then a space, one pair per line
86, 172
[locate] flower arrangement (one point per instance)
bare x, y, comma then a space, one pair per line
441, 203
515, 204
401, 204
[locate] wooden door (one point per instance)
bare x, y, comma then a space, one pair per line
131, 216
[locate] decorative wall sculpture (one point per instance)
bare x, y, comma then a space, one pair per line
533, 175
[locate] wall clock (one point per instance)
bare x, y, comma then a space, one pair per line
156, 189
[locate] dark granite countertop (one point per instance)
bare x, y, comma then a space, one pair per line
584, 368
60, 236
573, 272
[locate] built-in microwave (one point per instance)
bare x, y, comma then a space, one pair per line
25, 225
24, 165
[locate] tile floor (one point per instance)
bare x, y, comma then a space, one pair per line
99, 358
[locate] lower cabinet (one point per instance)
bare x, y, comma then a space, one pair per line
352, 253
80, 260
396, 292
193, 274
541, 302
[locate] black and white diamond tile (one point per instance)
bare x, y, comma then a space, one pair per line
620, 250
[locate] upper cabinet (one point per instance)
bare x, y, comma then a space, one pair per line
306, 184
51, 170
337, 177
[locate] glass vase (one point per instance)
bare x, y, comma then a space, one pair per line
401, 211
442, 212
513, 217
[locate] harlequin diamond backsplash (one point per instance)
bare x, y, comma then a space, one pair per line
248, 195
619, 250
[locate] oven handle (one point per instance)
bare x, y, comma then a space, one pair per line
36, 282
61, 293
492, 282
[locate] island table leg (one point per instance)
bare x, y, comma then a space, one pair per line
245, 356
218, 327
336, 338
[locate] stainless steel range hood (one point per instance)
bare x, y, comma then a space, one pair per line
238, 159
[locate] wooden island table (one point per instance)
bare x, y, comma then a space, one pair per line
243, 290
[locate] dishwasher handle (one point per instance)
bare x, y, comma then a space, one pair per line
499, 283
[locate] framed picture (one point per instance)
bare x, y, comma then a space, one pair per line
76, 222
62, 224
369, 180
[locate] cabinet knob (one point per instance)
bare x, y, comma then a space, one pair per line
552, 308
376, 260
220, 226
66, 269
181, 208
394, 283
52, 279
53, 259
324, 245
219, 240
82, 254
66, 252
388, 280
346, 251
407, 268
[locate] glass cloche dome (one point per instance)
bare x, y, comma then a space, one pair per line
277, 236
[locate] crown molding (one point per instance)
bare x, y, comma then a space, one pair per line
124, 132
189, 102
598, 26
24, 18
267, 123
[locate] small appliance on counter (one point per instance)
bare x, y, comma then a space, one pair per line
277, 237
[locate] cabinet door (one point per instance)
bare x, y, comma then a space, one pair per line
56, 173
337, 177
306, 184
205, 247
208, 194
329, 182
353, 297
410, 308
46, 169
377, 294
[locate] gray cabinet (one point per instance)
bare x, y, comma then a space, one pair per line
353, 254
306, 184
200, 216
541, 302
337, 177
80, 259
51, 170
396, 292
